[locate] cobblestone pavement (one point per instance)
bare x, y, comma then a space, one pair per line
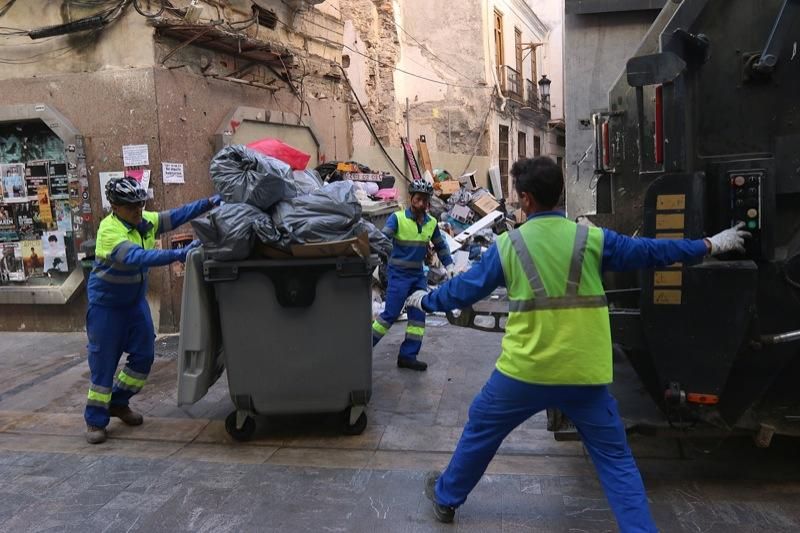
180, 471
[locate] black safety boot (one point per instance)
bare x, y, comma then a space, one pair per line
412, 364
443, 513
95, 435
124, 413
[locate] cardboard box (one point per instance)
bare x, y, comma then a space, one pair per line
355, 247
485, 204
448, 187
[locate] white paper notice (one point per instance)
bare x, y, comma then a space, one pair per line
172, 172
135, 155
104, 177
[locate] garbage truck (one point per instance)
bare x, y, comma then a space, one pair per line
702, 131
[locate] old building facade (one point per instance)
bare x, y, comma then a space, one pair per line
464, 74
179, 78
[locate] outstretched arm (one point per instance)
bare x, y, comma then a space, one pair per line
470, 287
171, 219
621, 253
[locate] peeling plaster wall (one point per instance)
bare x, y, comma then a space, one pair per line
81, 52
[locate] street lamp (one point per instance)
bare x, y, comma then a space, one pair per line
544, 91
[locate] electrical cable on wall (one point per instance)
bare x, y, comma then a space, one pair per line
368, 123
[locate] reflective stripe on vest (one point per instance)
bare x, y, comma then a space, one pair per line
558, 328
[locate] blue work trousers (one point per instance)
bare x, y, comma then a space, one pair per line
401, 284
504, 403
112, 331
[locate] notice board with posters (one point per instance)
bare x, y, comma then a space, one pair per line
37, 206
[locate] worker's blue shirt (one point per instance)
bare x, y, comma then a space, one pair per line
620, 253
415, 254
101, 292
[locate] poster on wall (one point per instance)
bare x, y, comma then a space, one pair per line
172, 173
59, 181
142, 176
11, 266
14, 188
28, 221
8, 229
62, 213
45, 208
55, 251
32, 258
36, 175
176, 242
104, 178
135, 155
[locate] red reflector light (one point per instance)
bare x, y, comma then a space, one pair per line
703, 399
606, 146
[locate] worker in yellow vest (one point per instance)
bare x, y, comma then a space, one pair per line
118, 319
556, 352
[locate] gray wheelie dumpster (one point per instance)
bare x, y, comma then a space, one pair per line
294, 336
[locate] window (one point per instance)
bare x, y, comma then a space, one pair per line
537, 146
560, 161
503, 159
518, 50
522, 142
561, 140
534, 75
498, 39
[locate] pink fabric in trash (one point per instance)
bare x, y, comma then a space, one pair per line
279, 150
386, 194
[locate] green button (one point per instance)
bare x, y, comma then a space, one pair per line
752, 224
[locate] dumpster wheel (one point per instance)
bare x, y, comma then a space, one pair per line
247, 429
357, 426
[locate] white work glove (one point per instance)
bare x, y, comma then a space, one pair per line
729, 240
451, 271
415, 300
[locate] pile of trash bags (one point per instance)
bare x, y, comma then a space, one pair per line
265, 200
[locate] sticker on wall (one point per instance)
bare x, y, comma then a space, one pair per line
172, 173
55, 251
135, 155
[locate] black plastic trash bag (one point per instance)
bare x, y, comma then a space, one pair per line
228, 232
242, 175
327, 214
306, 181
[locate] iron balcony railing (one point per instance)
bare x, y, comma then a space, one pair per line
510, 82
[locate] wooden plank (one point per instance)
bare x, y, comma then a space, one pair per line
424, 156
